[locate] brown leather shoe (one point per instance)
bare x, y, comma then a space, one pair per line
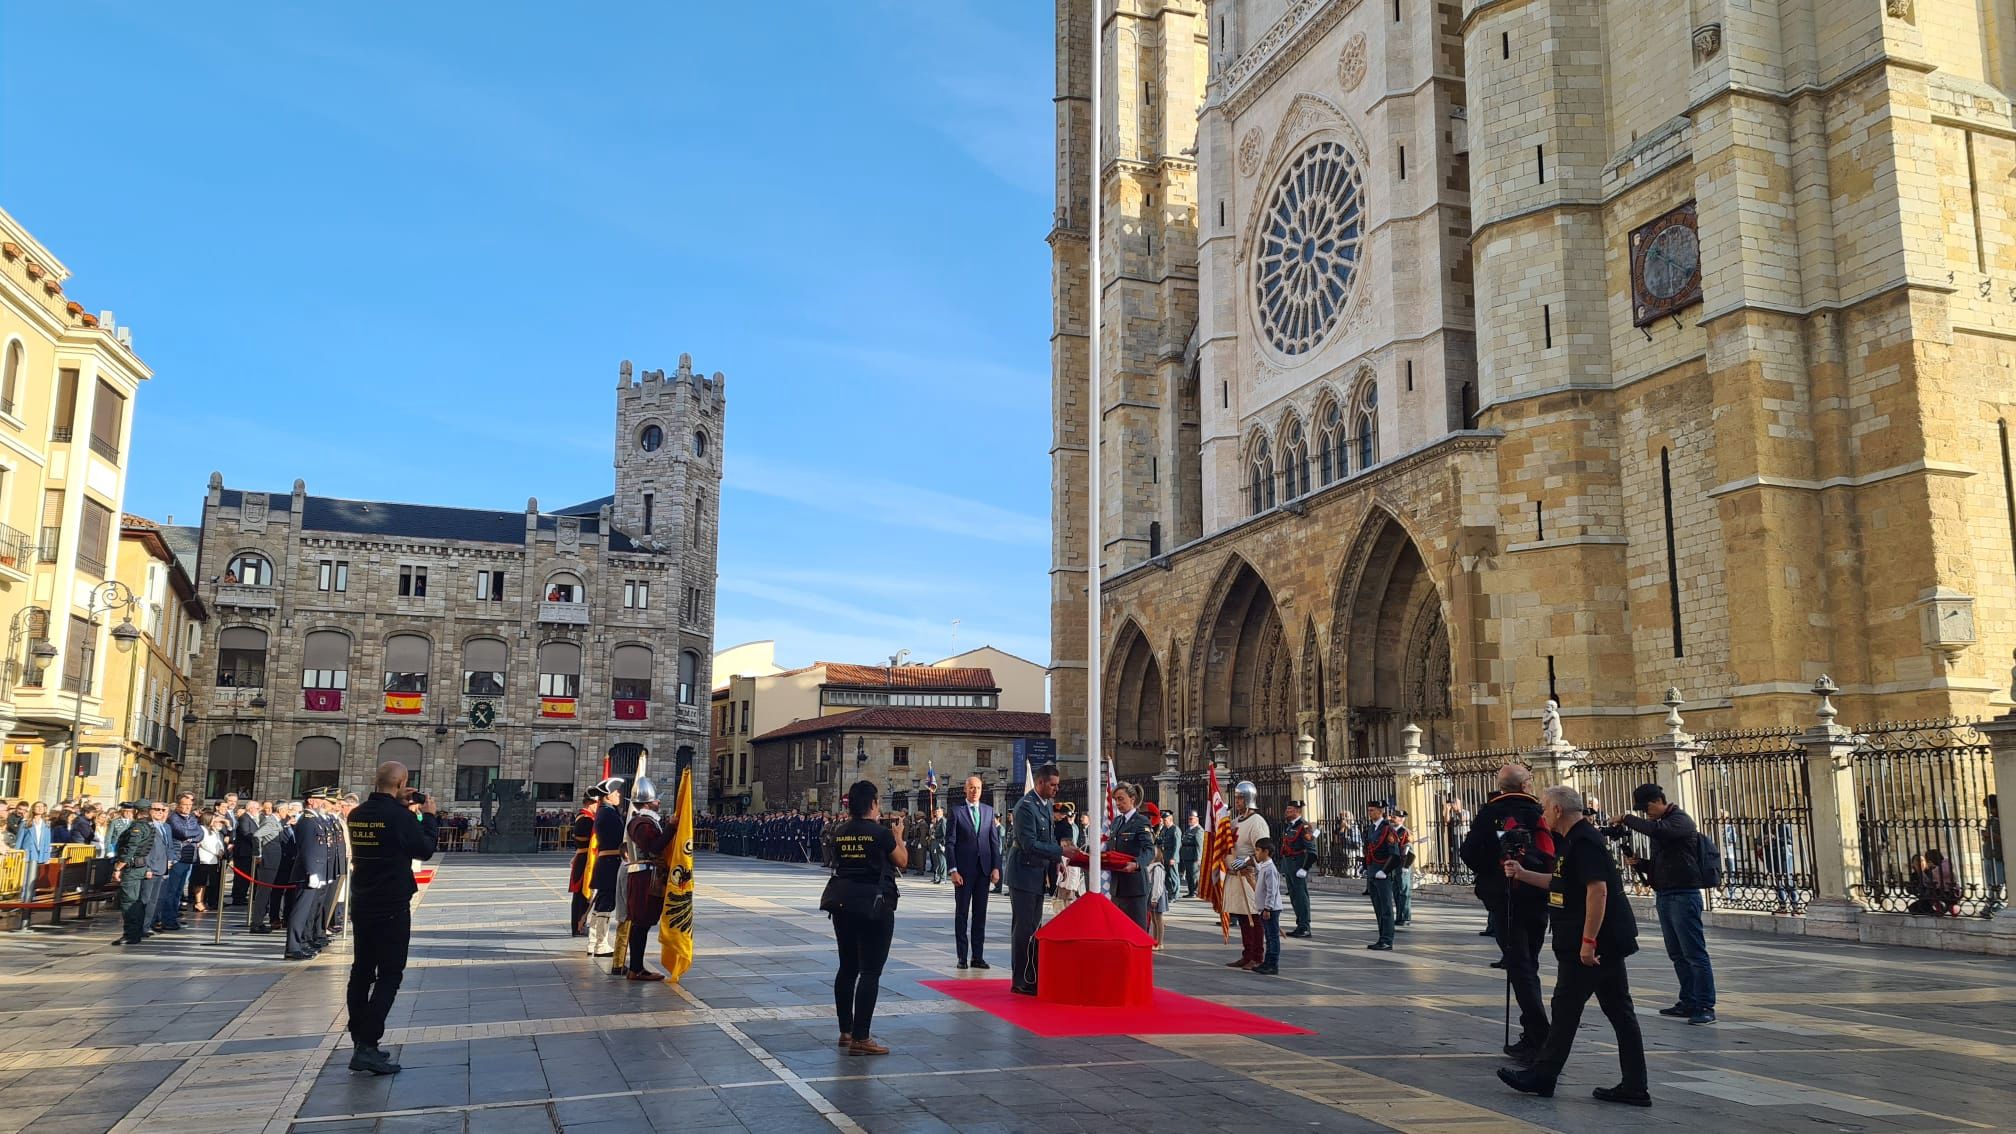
646, 974
866, 1047
846, 1040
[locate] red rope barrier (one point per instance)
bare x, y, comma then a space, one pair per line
268, 885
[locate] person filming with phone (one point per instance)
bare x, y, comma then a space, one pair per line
1594, 930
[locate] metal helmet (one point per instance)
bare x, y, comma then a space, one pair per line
1246, 792
645, 791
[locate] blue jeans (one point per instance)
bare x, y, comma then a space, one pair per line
1687, 945
1382, 903
168, 910
1271, 925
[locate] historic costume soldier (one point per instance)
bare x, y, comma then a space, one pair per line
644, 875
1298, 855
606, 871
1248, 828
577, 871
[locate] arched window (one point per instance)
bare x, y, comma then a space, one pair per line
559, 678
475, 766
407, 658
630, 681
318, 763
1260, 477
10, 378
689, 675
249, 568
407, 751
484, 662
234, 764
1295, 462
700, 443
553, 772
566, 587
241, 658
325, 661
1368, 427
1330, 443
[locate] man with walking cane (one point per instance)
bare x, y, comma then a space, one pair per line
1509, 829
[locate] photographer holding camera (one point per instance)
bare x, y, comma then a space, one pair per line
1677, 876
1509, 829
387, 833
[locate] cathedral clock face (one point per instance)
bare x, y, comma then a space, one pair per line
652, 439
1665, 266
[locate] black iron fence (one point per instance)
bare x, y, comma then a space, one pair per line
1464, 785
1346, 789
1921, 802
1607, 774
1755, 803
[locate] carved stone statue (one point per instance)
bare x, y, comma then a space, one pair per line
1550, 724
507, 819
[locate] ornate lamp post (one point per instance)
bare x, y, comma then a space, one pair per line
107, 597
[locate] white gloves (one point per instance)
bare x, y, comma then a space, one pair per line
1378, 874
315, 881
1301, 874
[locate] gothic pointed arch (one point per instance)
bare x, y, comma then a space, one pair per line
1243, 671
1136, 704
1389, 659
1314, 702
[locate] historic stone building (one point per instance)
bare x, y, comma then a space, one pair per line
1459, 355
472, 645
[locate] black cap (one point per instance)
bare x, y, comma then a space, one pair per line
1378, 803
1296, 804
1645, 794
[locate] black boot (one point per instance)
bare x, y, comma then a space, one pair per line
1527, 1081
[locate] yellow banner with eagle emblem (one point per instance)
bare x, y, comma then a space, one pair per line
675, 925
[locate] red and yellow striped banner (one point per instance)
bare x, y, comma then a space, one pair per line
405, 704
556, 707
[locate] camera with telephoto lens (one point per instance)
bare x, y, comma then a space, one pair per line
1617, 833
1514, 843
416, 797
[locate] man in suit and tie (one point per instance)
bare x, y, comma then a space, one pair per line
1036, 851
315, 848
973, 844
1130, 834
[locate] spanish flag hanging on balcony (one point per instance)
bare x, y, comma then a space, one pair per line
556, 707
405, 704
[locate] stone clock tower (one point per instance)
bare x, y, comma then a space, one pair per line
668, 461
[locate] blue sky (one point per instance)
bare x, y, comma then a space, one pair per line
398, 251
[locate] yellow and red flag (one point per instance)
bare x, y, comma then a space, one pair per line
1217, 849
405, 704
556, 707
675, 925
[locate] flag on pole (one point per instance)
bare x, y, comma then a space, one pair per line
675, 925
1217, 848
1111, 780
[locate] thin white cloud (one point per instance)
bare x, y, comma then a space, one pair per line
885, 501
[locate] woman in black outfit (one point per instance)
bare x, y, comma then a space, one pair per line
867, 856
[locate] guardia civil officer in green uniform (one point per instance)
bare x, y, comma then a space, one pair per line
387, 833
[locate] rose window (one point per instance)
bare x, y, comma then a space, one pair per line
1309, 250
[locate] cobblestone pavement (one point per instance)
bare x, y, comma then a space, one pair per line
504, 1027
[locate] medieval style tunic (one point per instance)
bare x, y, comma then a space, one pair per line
1239, 897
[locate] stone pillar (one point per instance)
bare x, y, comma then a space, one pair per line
1166, 781
1412, 774
1837, 839
1553, 764
1674, 754
1305, 780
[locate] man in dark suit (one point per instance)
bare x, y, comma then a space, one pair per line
314, 844
973, 843
1130, 834
1036, 851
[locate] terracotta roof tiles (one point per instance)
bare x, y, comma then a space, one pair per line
908, 677
918, 720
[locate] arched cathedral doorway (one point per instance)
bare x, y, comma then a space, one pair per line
1390, 646
1135, 712
1246, 671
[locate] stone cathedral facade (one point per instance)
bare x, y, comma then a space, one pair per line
1459, 355
472, 645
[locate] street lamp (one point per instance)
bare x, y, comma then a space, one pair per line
107, 597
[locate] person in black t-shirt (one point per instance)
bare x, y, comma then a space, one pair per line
862, 899
1594, 931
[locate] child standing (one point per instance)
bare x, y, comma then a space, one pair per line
1267, 899
1158, 889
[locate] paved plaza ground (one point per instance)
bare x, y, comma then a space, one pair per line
504, 1027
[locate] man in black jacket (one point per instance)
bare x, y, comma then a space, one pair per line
387, 832
1675, 875
1511, 823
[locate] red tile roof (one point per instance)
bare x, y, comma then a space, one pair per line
908, 677
918, 720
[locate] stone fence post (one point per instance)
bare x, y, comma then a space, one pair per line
1166, 782
1411, 775
1837, 836
1673, 754
1305, 780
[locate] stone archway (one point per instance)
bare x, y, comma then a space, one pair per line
1135, 705
1246, 672
1389, 646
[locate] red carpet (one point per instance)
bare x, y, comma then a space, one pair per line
1170, 1014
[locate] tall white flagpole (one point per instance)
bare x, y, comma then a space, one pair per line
1095, 748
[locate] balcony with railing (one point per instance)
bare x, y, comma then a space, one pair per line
106, 449
51, 542
564, 613
246, 596
62, 434
15, 548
